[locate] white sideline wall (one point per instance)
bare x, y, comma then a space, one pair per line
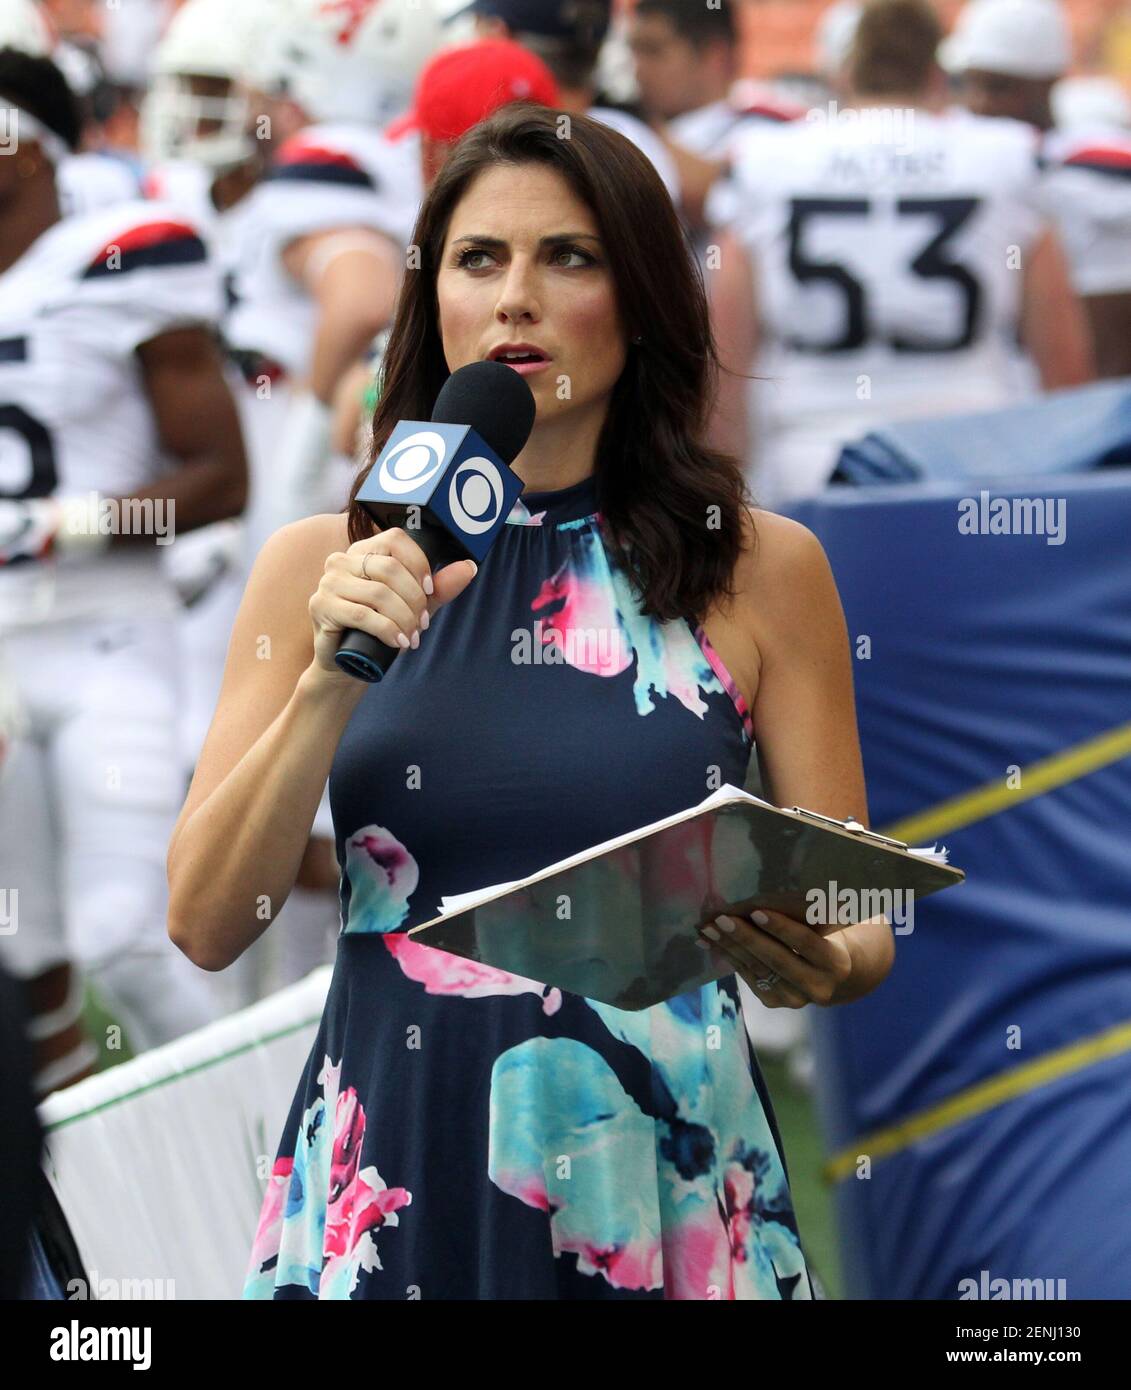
160, 1164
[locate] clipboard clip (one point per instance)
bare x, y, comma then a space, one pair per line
851, 825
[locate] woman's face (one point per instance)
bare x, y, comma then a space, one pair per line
523, 263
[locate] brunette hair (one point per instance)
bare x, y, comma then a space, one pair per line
893, 50
673, 509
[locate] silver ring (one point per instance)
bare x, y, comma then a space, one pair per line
768, 983
365, 564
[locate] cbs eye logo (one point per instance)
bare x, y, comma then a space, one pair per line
413, 462
475, 495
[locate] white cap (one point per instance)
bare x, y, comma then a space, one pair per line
1019, 38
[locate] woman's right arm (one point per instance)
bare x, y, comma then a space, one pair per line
236, 848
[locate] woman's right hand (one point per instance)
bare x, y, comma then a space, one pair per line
378, 586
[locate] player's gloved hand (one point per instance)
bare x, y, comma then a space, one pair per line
28, 528
35, 528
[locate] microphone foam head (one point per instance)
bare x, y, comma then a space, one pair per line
494, 400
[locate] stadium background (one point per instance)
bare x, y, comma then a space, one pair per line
778, 34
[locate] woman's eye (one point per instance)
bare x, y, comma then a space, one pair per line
465, 258
586, 259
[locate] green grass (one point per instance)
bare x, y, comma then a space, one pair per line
812, 1197
98, 1020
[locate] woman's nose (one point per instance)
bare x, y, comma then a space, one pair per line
518, 296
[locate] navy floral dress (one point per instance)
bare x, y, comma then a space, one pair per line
461, 1132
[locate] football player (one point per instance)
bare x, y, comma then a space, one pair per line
323, 248
325, 237
686, 62
196, 130
116, 430
883, 261
1010, 54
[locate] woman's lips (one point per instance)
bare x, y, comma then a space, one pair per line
525, 368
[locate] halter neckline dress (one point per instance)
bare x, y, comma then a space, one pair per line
462, 1133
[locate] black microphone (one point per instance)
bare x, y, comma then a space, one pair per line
453, 469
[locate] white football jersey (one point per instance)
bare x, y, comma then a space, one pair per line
1086, 191
711, 131
325, 177
888, 269
187, 186
91, 180
74, 416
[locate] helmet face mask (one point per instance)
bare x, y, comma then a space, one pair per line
199, 117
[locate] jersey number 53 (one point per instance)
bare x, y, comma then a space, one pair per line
932, 262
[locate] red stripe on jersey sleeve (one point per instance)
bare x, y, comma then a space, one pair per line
300, 151
772, 112
142, 236
1113, 156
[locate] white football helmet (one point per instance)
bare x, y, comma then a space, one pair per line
347, 60
23, 26
207, 42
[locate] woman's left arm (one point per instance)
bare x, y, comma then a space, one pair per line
809, 754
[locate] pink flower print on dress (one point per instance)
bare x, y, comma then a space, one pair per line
440, 972
266, 1243
358, 1204
383, 876
574, 610
520, 515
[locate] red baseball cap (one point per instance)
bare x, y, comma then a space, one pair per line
463, 85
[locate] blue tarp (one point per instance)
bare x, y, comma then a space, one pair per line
1068, 431
990, 652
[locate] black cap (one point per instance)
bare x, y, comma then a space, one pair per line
583, 20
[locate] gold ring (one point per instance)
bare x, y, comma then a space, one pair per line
365, 565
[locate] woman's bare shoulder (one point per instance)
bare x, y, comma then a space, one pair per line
299, 550
782, 546
315, 537
785, 573
286, 572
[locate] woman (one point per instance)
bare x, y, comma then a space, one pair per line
518, 1141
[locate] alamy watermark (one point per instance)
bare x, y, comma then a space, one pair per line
591, 648
105, 1287
834, 905
9, 130
987, 1286
1014, 516
93, 515
874, 125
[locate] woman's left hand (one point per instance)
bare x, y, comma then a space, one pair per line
803, 966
